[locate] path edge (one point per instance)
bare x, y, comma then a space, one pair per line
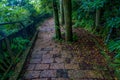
24, 58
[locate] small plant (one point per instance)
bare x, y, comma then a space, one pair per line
114, 47
19, 44
75, 37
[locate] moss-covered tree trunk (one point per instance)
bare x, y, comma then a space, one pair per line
68, 19
61, 13
56, 20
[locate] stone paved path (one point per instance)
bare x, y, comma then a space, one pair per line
51, 61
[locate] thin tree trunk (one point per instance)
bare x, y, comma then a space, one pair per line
109, 35
56, 20
68, 19
97, 23
61, 12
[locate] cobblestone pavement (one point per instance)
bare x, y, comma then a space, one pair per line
49, 61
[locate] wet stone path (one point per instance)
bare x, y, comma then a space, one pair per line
50, 61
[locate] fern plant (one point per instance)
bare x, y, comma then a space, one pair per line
114, 46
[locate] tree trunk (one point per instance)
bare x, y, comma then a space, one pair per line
56, 20
61, 13
97, 23
68, 19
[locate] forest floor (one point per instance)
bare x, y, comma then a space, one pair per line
54, 60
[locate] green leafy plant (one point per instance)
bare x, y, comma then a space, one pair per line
75, 37
19, 44
114, 47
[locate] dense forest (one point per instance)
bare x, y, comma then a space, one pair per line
18, 20
101, 18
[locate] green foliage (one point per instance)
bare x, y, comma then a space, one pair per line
75, 37
85, 23
84, 15
19, 44
114, 47
113, 22
42, 6
83, 19
88, 5
11, 14
19, 10
36, 4
84, 12
25, 11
